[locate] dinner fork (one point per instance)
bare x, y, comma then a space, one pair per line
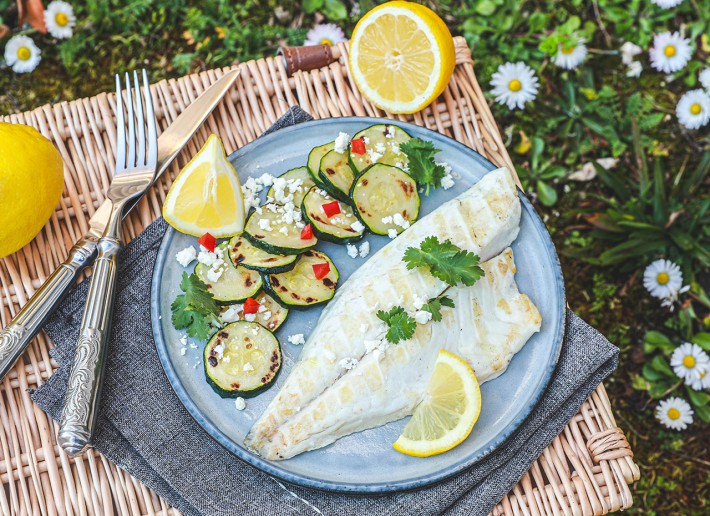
136, 161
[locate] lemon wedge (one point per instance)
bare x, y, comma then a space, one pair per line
401, 56
206, 196
446, 416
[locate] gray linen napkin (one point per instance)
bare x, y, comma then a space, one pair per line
144, 429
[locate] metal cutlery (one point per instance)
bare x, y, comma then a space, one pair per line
136, 162
17, 335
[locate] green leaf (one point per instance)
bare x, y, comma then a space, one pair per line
196, 309
311, 6
445, 261
401, 325
650, 374
656, 340
703, 412
546, 193
698, 398
335, 10
639, 383
485, 7
434, 306
659, 364
702, 339
422, 166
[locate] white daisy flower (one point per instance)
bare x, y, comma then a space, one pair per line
674, 413
514, 84
663, 279
688, 361
22, 54
670, 52
666, 4
59, 18
324, 34
570, 57
701, 381
628, 52
693, 109
704, 78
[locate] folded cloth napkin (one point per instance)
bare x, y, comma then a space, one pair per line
144, 429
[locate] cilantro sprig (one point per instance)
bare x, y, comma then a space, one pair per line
445, 261
422, 167
435, 304
401, 325
195, 309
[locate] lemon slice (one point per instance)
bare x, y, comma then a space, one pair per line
206, 196
401, 56
447, 415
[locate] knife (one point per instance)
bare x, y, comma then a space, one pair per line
16, 336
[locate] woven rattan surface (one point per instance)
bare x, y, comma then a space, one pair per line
586, 470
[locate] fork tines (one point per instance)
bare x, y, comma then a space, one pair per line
137, 104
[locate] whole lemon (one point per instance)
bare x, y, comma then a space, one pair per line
31, 182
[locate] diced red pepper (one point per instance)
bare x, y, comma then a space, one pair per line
331, 208
321, 270
358, 146
251, 306
307, 232
208, 242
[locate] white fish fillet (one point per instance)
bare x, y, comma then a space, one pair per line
484, 220
490, 323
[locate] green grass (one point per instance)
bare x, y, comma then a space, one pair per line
656, 197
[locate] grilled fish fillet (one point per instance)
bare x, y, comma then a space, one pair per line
490, 323
484, 220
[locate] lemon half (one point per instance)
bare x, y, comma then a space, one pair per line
446, 416
206, 196
401, 56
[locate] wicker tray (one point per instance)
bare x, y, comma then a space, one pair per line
586, 470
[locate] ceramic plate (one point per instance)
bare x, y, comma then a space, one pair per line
366, 461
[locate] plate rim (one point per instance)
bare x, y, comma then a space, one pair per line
271, 468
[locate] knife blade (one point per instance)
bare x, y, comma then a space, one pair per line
16, 336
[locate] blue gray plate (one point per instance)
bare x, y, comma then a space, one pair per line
366, 461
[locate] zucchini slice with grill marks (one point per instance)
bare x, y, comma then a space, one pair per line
336, 175
234, 285
383, 139
270, 231
297, 181
243, 253
314, 158
272, 316
381, 193
242, 359
299, 288
339, 228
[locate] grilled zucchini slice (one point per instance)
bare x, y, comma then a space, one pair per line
338, 229
242, 359
297, 182
271, 233
382, 192
299, 288
383, 139
234, 285
314, 158
336, 175
243, 253
272, 316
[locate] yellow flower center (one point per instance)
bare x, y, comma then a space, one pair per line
689, 361
568, 50
23, 53
515, 85
695, 109
326, 41
61, 19
662, 278
673, 413
669, 51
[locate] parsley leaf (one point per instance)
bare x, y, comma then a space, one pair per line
422, 167
435, 304
196, 309
401, 325
445, 261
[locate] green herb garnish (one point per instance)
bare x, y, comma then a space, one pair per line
422, 167
445, 261
196, 309
434, 306
401, 325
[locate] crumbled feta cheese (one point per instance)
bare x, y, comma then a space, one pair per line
422, 316
357, 226
352, 251
366, 140
323, 193
364, 249
296, 339
219, 351
418, 302
248, 367
227, 359
329, 355
265, 224
262, 308
266, 315
387, 220
183, 351
394, 147
266, 179
249, 317
186, 256
193, 345
231, 314
392, 233
207, 258
380, 147
341, 143
337, 220
240, 404
400, 221
447, 182
214, 274
374, 155
183, 340
283, 230
348, 363
389, 133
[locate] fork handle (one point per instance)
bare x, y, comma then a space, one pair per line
17, 335
81, 401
